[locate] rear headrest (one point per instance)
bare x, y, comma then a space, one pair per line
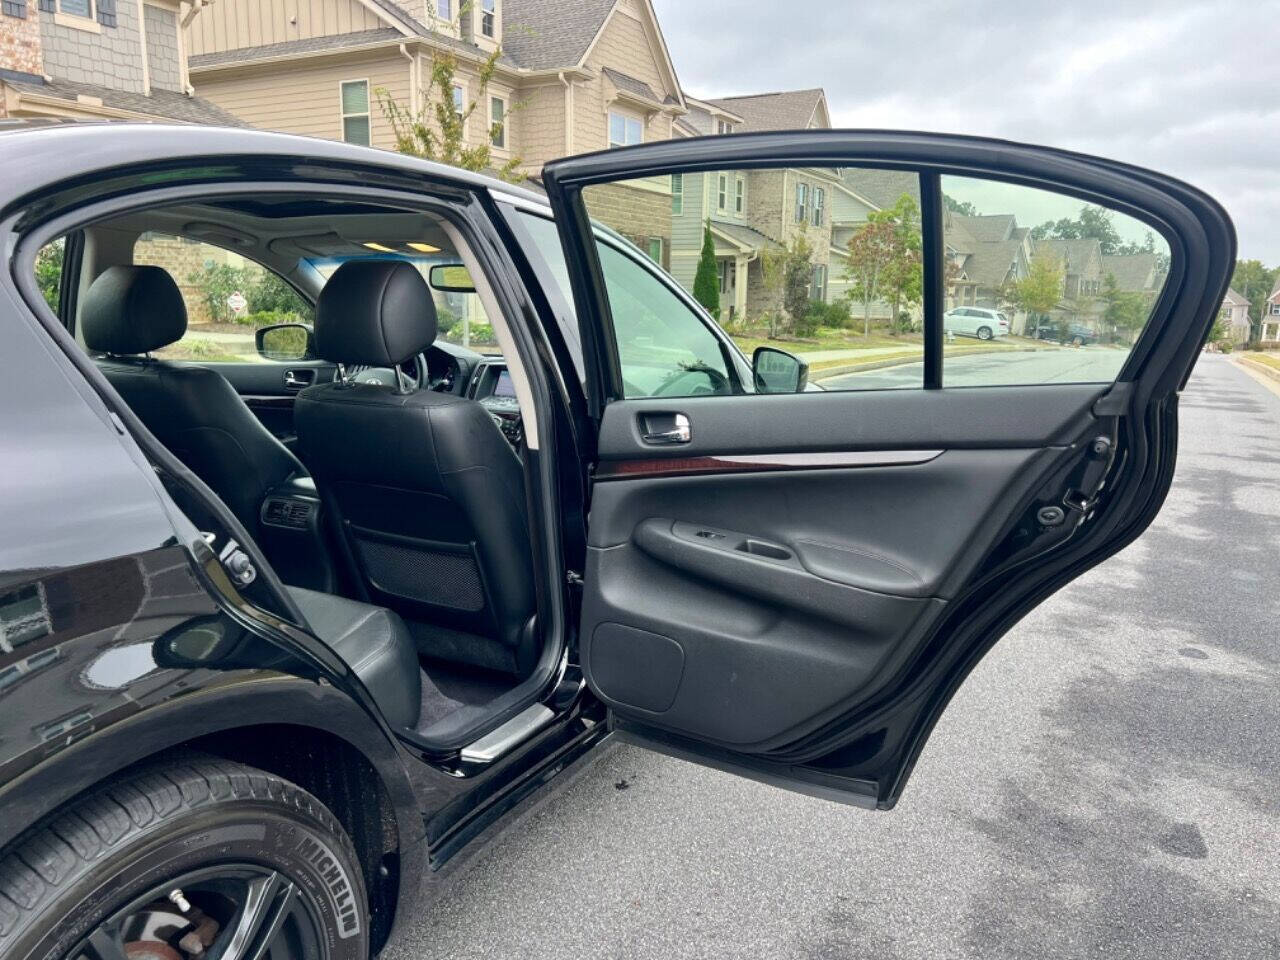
132, 310
375, 312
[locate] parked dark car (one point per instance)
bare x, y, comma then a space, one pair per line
1075, 334
294, 603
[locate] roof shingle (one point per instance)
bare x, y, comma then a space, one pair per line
163, 104
783, 110
543, 34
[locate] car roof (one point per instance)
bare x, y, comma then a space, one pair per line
51, 153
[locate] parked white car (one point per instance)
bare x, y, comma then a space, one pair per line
975, 322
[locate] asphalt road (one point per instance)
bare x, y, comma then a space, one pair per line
1002, 368
1106, 784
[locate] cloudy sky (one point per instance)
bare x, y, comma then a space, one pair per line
1190, 89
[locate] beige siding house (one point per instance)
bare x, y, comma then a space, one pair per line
1235, 312
1271, 317
573, 76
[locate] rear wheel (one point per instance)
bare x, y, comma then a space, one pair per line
202, 860
984, 333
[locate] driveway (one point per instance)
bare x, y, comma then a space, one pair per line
1106, 784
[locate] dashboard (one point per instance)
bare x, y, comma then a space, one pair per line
492, 387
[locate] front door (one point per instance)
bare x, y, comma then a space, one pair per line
790, 579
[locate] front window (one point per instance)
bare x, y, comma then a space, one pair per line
655, 249
624, 130
677, 193
354, 104
459, 99
488, 15
721, 192
444, 9
498, 122
818, 287
724, 126
76, 8
740, 194
819, 205
802, 202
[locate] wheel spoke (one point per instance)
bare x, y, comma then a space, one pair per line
105, 943
266, 905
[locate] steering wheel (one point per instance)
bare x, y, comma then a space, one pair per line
694, 381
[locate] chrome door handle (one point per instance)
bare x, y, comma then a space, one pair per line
667, 428
294, 381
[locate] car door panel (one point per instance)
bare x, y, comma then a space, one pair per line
793, 587
268, 389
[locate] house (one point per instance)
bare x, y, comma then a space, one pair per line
987, 253
1081, 263
1134, 272
99, 59
1235, 313
752, 211
573, 75
1271, 316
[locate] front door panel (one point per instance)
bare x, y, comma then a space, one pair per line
792, 585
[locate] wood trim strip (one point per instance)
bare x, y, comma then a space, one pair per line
759, 463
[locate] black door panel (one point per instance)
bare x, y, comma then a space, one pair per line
748, 607
269, 388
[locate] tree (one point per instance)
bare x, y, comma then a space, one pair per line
902, 280
963, 207
706, 282
49, 271
1041, 289
437, 129
1126, 312
797, 277
1093, 222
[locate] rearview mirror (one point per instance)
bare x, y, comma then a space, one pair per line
776, 371
451, 278
286, 341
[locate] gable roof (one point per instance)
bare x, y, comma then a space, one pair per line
1077, 253
989, 263
989, 227
630, 84
881, 187
781, 110
1134, 272
542, 34
267, 51
1235, 299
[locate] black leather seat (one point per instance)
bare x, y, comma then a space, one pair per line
427, 494
128, 312
375, 644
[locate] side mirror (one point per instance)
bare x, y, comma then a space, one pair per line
776, 371
451, 278
286, 341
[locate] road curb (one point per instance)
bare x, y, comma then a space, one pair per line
840, 371
1261, 368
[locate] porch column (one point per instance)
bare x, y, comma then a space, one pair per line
739, 287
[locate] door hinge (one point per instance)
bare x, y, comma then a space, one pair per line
237, 564
573, 578
1084, 493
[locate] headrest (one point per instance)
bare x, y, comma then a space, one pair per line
132, 310
374, 312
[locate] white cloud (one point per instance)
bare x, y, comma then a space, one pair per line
1186, 88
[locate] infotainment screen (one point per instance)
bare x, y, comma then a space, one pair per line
504, 386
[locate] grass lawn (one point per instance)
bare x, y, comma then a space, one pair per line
1271, 360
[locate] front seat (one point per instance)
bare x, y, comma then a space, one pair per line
129, 311
426, 492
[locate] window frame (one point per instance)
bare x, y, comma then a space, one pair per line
677, 194
499, 140
722, 192
90, 5
802, 202
459, 98
740, 195
627, 119
343, 116
489, 19
819, 205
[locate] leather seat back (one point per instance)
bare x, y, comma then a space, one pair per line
129, 311
427, 493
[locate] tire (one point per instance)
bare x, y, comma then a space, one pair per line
129, 840
984, 333
1077, 341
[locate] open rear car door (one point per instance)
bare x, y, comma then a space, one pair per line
791, 583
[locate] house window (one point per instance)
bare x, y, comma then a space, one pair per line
819, 204
722, 193
444, 9
624, 130
1275, 309
14, 8
739, 196
802, 202
724, 126
818, 287
354, 103
498, 122
76, 8
655, 249
677, 193
459, 99
488, 14
726, 275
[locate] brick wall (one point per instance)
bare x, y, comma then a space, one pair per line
20, 43
110, 57
182, 258
636, 213
162, 47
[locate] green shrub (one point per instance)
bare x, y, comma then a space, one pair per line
266, 318
1225, 346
